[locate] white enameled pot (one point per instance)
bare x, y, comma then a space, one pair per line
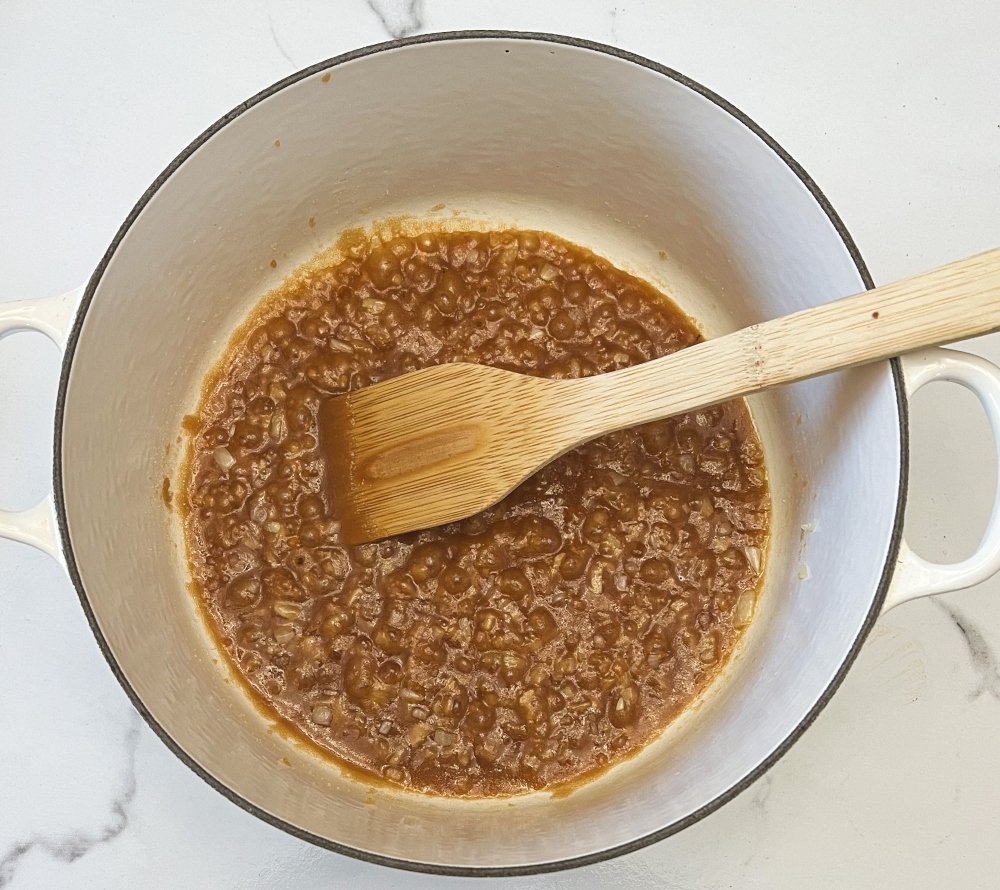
603, 148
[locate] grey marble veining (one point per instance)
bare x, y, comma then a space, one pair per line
762, 792
981, 654
399, 18
70, 846
277, 42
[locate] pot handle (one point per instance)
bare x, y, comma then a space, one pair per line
915, 576
53, 317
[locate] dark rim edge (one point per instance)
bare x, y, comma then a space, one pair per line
408, 865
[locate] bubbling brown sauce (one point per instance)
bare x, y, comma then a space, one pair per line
526, 646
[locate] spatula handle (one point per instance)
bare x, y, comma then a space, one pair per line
950, 303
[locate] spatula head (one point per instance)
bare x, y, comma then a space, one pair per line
434, 446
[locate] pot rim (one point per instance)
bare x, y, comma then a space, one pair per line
431, 868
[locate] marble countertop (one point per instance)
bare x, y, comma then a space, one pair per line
896, 116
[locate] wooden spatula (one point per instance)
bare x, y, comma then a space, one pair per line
443, 443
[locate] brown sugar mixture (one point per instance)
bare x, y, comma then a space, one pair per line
526, 646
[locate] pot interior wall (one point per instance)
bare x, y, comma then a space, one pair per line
615, 156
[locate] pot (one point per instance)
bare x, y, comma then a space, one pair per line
606, 149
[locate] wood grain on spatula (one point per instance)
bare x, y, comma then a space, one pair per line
440, 444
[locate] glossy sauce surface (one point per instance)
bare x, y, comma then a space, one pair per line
531, 644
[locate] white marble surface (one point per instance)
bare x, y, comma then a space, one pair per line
894, 109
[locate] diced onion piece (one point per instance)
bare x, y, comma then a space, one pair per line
548, 272
322, 715
339, 345
286, 609
417, 733
753, 557
224, 458
743, 611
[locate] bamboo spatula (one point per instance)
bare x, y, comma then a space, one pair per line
443, 443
